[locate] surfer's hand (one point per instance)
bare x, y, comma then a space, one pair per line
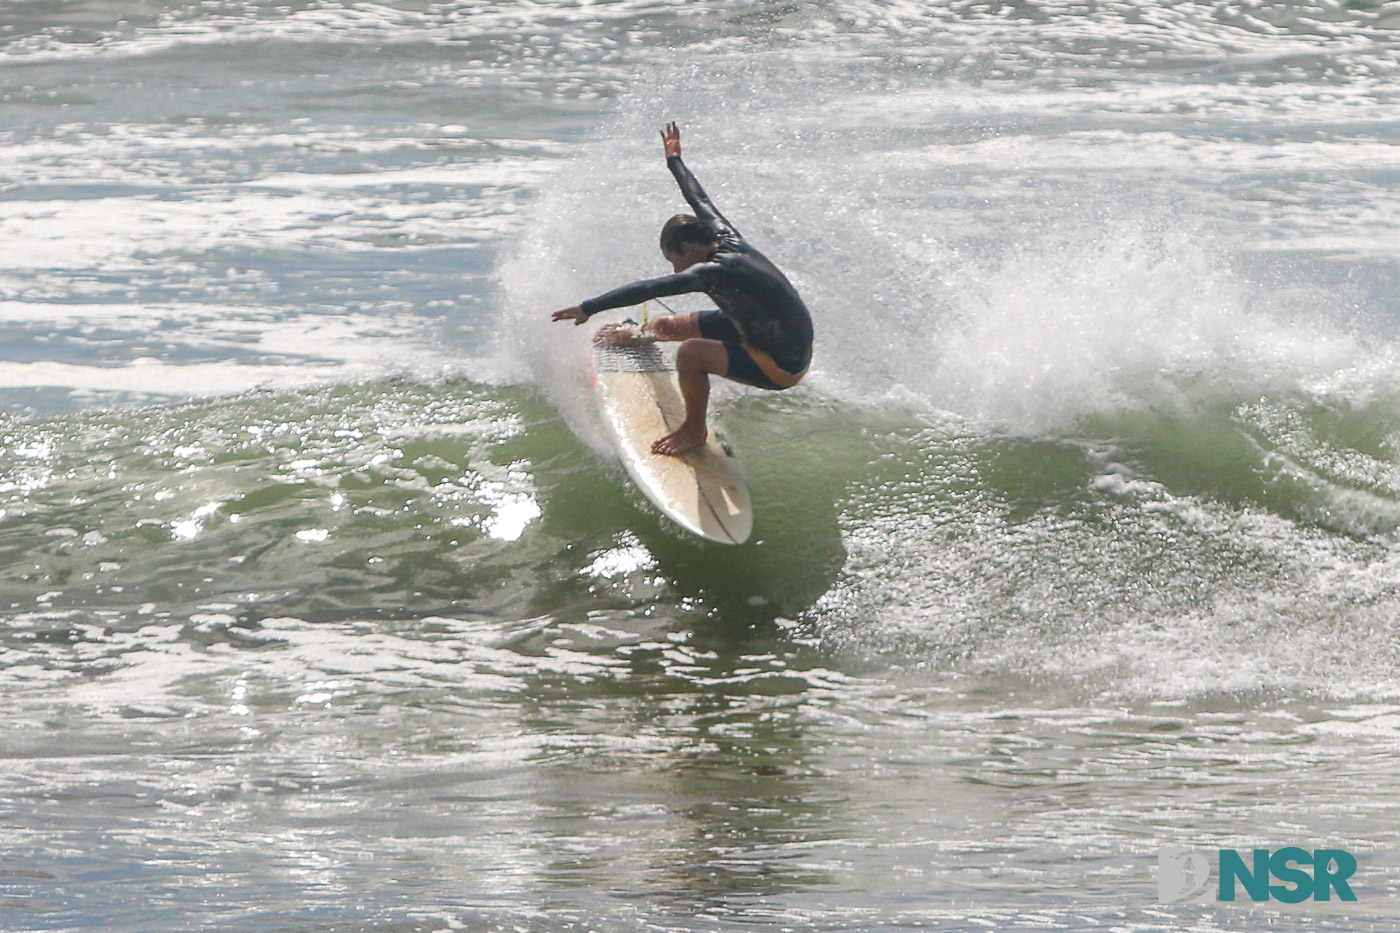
671, 138
572, 313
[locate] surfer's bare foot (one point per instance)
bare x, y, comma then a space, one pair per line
683, 438
617, 335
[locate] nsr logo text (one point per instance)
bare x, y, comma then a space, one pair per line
1184, 875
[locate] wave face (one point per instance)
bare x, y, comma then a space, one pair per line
1236, 548
324, 605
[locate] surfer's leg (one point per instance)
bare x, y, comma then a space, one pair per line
695, 360
716, 325
675, 326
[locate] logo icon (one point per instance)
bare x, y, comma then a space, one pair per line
1183, 875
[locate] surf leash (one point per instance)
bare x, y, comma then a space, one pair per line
642, 335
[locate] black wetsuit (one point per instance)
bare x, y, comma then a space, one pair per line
758, 307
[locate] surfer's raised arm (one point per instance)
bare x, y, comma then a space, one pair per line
695, 195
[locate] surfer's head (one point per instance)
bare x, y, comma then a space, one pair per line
686, 240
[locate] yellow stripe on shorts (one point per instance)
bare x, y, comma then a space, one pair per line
772, 370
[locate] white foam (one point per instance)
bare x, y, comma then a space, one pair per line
153, 378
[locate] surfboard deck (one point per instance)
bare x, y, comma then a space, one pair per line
639, 396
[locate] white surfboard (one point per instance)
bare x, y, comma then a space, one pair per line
702, 490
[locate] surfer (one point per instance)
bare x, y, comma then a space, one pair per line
761, 332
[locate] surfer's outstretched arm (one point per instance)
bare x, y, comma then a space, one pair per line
695, 195
633, 293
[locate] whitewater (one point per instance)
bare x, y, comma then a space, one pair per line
324, 605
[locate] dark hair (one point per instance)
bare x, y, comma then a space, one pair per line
683, 228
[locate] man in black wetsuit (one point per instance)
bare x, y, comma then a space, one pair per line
761, 335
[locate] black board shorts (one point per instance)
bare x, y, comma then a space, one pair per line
747, 364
